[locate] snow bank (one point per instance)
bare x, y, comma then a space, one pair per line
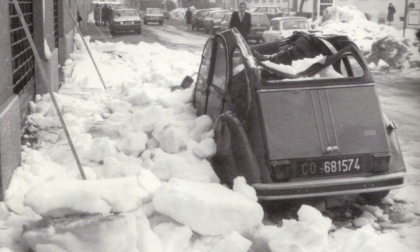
209, 209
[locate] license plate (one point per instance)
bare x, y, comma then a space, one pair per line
329, 167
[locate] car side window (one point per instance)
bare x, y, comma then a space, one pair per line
203, 73
239, 85
220, 66
350, 67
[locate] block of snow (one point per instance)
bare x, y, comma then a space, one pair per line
240, 186
207, 208
91, 233
65, 197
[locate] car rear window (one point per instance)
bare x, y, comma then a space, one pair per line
125, 13
153, 11
295, 24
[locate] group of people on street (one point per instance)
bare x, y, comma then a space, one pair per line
240, 19
102, 14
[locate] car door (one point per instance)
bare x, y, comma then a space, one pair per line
200, 93
218, 80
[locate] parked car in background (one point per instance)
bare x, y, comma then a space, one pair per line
213, 19
316, 133
153, 15
283, 27
197, 20
125, 20
224, 23
259, 23
270, 11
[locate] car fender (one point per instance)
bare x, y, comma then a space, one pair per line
229, 124
397, 161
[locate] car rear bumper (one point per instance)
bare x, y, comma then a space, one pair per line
153, 19
123, 27
328, 187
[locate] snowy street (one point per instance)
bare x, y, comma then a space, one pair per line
150, 186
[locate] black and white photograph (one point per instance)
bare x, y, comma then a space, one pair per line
209, 126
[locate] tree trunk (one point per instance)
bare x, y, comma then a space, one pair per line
301, 5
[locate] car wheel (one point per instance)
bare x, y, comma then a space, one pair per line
112, 32
145, 22
160, 23
234, 156
139, 31
374, 197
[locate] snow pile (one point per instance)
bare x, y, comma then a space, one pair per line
347, 20
197, 203
67, 197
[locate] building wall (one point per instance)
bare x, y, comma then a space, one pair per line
13, 107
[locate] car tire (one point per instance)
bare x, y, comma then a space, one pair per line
374, 197
145, 22
160, 23
112, 32
139, 31
234, 156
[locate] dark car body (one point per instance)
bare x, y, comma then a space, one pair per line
259, 23
213, 19
153, 15
125, 20
294, 137
197, 19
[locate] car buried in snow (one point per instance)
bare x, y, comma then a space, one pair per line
300, 135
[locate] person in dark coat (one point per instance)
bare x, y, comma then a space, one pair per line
391, 12
104, 15
241, 20
97, 14
188, 16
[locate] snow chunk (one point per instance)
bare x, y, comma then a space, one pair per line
184, 165
84, 233
209, 209
64, 197
240, 186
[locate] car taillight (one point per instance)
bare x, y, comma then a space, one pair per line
281, 169
380, 162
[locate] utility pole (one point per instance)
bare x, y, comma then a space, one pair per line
405, 17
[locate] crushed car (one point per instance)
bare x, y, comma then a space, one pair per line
317, 132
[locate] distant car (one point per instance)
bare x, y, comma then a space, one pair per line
197, 19
224, 23
316, 133
270, 11
213, 19
125, 20
259, 24
283, 27
153, 15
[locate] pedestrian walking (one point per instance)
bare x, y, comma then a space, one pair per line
188, 16
104, 13
97, 14
391, 12
241, 20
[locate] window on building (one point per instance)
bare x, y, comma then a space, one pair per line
23, 65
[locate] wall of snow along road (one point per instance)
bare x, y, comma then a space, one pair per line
150, 186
